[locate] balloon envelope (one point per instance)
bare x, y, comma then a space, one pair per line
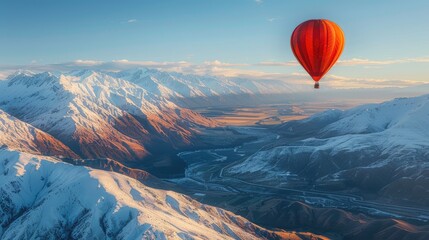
317, 45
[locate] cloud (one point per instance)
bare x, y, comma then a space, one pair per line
278, 64
218, 63
367, 62
342, 82
258, 1
85, 63
354, 62
271, 19
132, 21
4, 75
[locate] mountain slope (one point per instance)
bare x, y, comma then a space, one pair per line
378, 148
44, 198
97, 115
21, 136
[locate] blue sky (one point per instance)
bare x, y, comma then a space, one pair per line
386, 40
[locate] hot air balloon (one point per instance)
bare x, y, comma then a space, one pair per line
317, 45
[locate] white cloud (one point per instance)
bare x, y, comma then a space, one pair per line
85, 62
367, 62
278, 64
259, 1
354, 62
3, 75
271, 19
335, 81
218, 63
132, 21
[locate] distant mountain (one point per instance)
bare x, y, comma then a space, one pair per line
194, 90
377, 148
97, 115
42, 198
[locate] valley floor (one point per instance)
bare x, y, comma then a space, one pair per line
268, 114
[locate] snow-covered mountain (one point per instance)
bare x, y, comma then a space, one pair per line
173, 84
381, 148
97, 115
42, 198
194, 90
18, 135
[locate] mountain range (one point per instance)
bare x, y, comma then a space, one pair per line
97, 115
97, 122
196, 90
377, 149
73, 147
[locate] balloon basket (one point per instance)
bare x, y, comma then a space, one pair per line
316, 85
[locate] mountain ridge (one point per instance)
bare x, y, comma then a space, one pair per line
21, 136
44, 198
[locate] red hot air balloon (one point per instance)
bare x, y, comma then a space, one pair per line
317, 45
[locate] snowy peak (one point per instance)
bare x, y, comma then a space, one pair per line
81, 73
395, 126
21, 73
174, 85
403, 113
29, 79
42, 197
136, 73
